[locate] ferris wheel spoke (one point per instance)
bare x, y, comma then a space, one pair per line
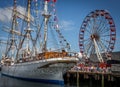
100, 47
88, 39
88, 47
105, 40
87, 30
91, 24
93, 29
103, 47
102, 21
104, 30
89, 27
92, 50
89, 52
103, 25
105, 35
100, 24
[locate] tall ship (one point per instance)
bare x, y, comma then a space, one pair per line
35, 49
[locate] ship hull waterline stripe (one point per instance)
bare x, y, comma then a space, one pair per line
59, 82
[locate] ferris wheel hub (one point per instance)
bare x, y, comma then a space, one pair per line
94, 36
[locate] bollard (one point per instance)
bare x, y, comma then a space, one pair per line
77, 79
68, 76
108, 77
102, 82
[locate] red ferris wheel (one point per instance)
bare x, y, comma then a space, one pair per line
97, 35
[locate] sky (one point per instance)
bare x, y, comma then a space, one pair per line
71, 14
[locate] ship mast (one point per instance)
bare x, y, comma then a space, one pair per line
12, 39
27, 31
46, 19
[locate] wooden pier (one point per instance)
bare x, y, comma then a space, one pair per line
91, 79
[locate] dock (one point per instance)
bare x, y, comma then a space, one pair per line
0, 67
101, 79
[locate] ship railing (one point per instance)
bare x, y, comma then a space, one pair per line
48, 55
6, 61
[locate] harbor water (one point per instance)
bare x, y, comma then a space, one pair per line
12, 82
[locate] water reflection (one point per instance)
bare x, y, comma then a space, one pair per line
11, 82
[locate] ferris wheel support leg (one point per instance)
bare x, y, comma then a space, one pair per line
97, 51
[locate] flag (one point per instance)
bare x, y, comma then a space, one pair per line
47, 0
55, 18
57, 26
35, 0
54, 0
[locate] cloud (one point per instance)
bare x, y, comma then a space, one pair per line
21, 9
6, 13
67, 25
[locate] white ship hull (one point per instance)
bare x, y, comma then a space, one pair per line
49, 70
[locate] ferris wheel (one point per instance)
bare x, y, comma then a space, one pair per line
97, 35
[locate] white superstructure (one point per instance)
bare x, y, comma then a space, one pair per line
50, 70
